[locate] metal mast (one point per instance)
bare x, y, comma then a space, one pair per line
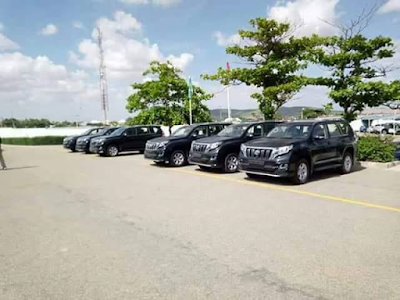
103, 78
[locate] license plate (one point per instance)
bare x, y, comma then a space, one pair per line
197, 155
257, 163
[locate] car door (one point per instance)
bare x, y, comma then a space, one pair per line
336, 142
142, 136
319, 146
128, 139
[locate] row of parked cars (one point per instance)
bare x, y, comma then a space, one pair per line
273, 148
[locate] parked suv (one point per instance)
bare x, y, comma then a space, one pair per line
297, 149
83, 143
222, 151
126, 139
70, 141
174, 149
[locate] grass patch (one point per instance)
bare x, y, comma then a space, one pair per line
34, 141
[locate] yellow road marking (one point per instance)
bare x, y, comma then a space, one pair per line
290, 190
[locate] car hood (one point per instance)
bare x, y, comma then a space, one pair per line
216, 139
273, 143
167, 138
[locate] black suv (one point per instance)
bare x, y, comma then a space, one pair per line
175, 148
83, 143
70, 141
126, 139
222, 151
297, 149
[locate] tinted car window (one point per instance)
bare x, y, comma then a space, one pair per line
268, 127
130, 132
256, 130
214, 129
290, 131
200, 131
344, 128
334, 130
320, 131
142, 130
155, 129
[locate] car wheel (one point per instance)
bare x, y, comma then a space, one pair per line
347, 163
253, 176
178, 159
231, 164
141, 151
385, 131
112, 151
302, 172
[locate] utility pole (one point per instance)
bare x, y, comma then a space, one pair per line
103, 78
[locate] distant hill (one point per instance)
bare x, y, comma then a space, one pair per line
254, 114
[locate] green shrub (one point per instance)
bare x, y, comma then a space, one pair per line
372, 148
34, 141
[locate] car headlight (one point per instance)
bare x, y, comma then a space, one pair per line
243, 148
162, 145
214, 146
281, 151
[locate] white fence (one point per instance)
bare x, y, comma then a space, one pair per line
65, 131
34, 132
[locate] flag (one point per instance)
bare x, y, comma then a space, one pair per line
228, 66
190, 91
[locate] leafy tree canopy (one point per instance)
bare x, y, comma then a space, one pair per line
274, 57
164, 98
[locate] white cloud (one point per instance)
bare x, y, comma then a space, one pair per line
49, 29
126, 53
38, 87
163, 3
224, 41
6, 44
390, 6
134, 1
78, 25
312, 15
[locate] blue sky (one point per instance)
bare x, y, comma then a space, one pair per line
49, 57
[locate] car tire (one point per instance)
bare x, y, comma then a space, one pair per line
302, 172
141, 151
112, 151
178, 159
347, 163
231, 163
384, 131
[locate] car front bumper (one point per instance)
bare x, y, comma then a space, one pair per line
204, 159
81, 147
274, 168
157, 155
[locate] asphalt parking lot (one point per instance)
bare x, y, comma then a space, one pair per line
75, 226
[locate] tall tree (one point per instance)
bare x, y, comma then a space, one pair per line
274, 57
355, 63
164, 98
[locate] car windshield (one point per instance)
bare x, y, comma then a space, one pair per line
88, 132
117, 132
234, 130
103, 131
183, 131
290, 131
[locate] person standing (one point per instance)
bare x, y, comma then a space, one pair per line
2, 162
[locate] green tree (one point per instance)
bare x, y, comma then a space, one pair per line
274, 58
312, 113
164, 99
355, 63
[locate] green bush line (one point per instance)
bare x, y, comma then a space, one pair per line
372, 148
34, 141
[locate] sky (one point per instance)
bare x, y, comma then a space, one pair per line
49, 56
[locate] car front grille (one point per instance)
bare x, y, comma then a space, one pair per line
199, 147
254, 153
151, 146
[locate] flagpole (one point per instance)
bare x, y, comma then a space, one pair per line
190, 100
229, 102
